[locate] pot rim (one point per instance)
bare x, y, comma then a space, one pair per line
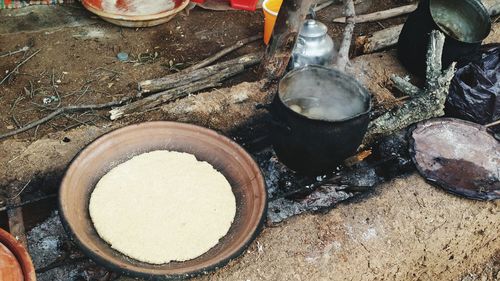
20, 253
343, 75
480, 9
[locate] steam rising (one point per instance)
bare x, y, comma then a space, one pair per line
320, 94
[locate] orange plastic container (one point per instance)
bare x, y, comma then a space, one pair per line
271, 9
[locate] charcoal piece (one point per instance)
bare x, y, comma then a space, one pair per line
393, 149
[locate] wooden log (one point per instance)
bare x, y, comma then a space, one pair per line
16, 223
381, 15
428, 104
379, 40
345, 45
181, 78
15, 216
286, 29
175, 93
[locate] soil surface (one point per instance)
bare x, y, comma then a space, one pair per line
77, 63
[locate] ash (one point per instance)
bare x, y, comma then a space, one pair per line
292, 194
45, 239
55, 257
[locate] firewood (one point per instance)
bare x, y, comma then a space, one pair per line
223, 52
426, 103
381, 15
286, 29
343, 55
175, 93
181, 78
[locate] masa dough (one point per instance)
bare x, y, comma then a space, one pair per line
162, 206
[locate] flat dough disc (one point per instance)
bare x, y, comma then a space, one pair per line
162, 206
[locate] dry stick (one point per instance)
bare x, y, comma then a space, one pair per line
381, 15
175, 93
492, 124
6, 54
180, 79
222, 53
27, 202
16, 222
343, 55
323, 5
19, 65
428, 103
61, 110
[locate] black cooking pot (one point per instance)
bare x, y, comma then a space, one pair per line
465, 24
311, 145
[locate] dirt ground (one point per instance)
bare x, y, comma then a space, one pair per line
77, 60
406, 230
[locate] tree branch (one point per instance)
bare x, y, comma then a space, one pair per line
181, 78
175, 93
222, 53
63, 110
343, 55
381, 15
288, 23
427, 103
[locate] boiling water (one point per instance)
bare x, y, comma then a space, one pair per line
323, 97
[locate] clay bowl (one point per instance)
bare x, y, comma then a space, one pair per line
15, 262
130, 20
119, 146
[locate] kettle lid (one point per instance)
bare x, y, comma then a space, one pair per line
313, 28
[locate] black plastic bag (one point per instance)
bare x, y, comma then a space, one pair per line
475, 89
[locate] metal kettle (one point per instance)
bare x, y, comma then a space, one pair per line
313, 46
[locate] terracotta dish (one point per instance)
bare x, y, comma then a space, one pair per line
95, 7
120, 145
15, 262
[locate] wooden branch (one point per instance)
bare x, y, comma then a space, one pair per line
222, 53
63, 110
15, 216
10, 53
381, 15
19, 65
175, 93
27, 202
430, 102
181, 78
379, 40
404, 85
286, 29
492, 124
319, 7
343, 54
16, 223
